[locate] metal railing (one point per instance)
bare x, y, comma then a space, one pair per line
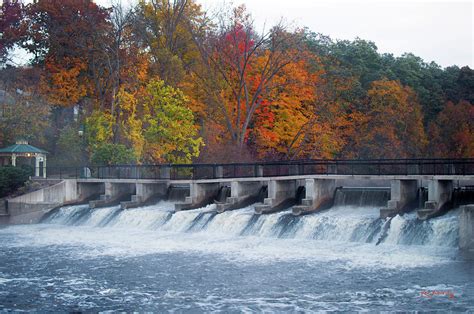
372, 167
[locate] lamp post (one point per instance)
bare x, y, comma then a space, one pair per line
81, 133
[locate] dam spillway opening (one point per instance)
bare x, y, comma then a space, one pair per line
353, 217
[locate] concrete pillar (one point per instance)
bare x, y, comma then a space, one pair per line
439, 192
240, 190
466, 230
319, 190
71, 190
200, 192
114, 190
146, 190
279, 190
402, 193
13, 160
37, 166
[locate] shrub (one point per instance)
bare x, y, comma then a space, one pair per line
11, 178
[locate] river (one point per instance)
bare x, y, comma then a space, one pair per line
151, 259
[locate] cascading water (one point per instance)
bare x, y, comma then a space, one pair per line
353, 218
362, 197
177, 193
155, 259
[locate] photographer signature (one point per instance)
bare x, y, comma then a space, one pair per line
431, 293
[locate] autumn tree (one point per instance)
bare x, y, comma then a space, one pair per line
161, 27
155, 123
62, 36
23, 115
11, 28
452, 133
240, 67
393, 124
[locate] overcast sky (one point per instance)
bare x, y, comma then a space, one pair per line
440, 31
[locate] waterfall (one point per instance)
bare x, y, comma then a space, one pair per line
177, 193
376, 197
354, 217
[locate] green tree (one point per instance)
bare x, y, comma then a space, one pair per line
70, 148
112, 154
169, 129
99, 129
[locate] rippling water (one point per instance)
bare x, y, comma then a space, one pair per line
151, 259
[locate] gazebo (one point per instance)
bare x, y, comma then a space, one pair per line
22, 149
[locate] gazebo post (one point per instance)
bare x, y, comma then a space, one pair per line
13, 160
44, 166
37, 169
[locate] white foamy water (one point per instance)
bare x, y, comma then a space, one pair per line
344, 233
153, 259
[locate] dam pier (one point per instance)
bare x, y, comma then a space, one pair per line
429, 186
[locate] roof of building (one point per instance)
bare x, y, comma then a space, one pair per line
22, 147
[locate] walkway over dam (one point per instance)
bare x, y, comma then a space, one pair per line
432, 186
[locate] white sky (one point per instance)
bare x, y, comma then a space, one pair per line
440, 31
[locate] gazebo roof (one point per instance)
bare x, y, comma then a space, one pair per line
22, 147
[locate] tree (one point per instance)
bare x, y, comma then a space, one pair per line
112, 154
168, 126
11, 28
98, 129
64, 36
70, 148
393, 126
24, 115
240, 66
452, 133
465, 82
161, 27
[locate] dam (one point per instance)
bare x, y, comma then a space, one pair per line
288, 241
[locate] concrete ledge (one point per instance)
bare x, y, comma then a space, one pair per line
23, 213
319, 195
31, 207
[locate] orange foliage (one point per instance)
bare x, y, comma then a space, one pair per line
61, 83
394, 123
452, 132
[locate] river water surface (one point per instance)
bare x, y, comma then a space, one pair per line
150, 259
